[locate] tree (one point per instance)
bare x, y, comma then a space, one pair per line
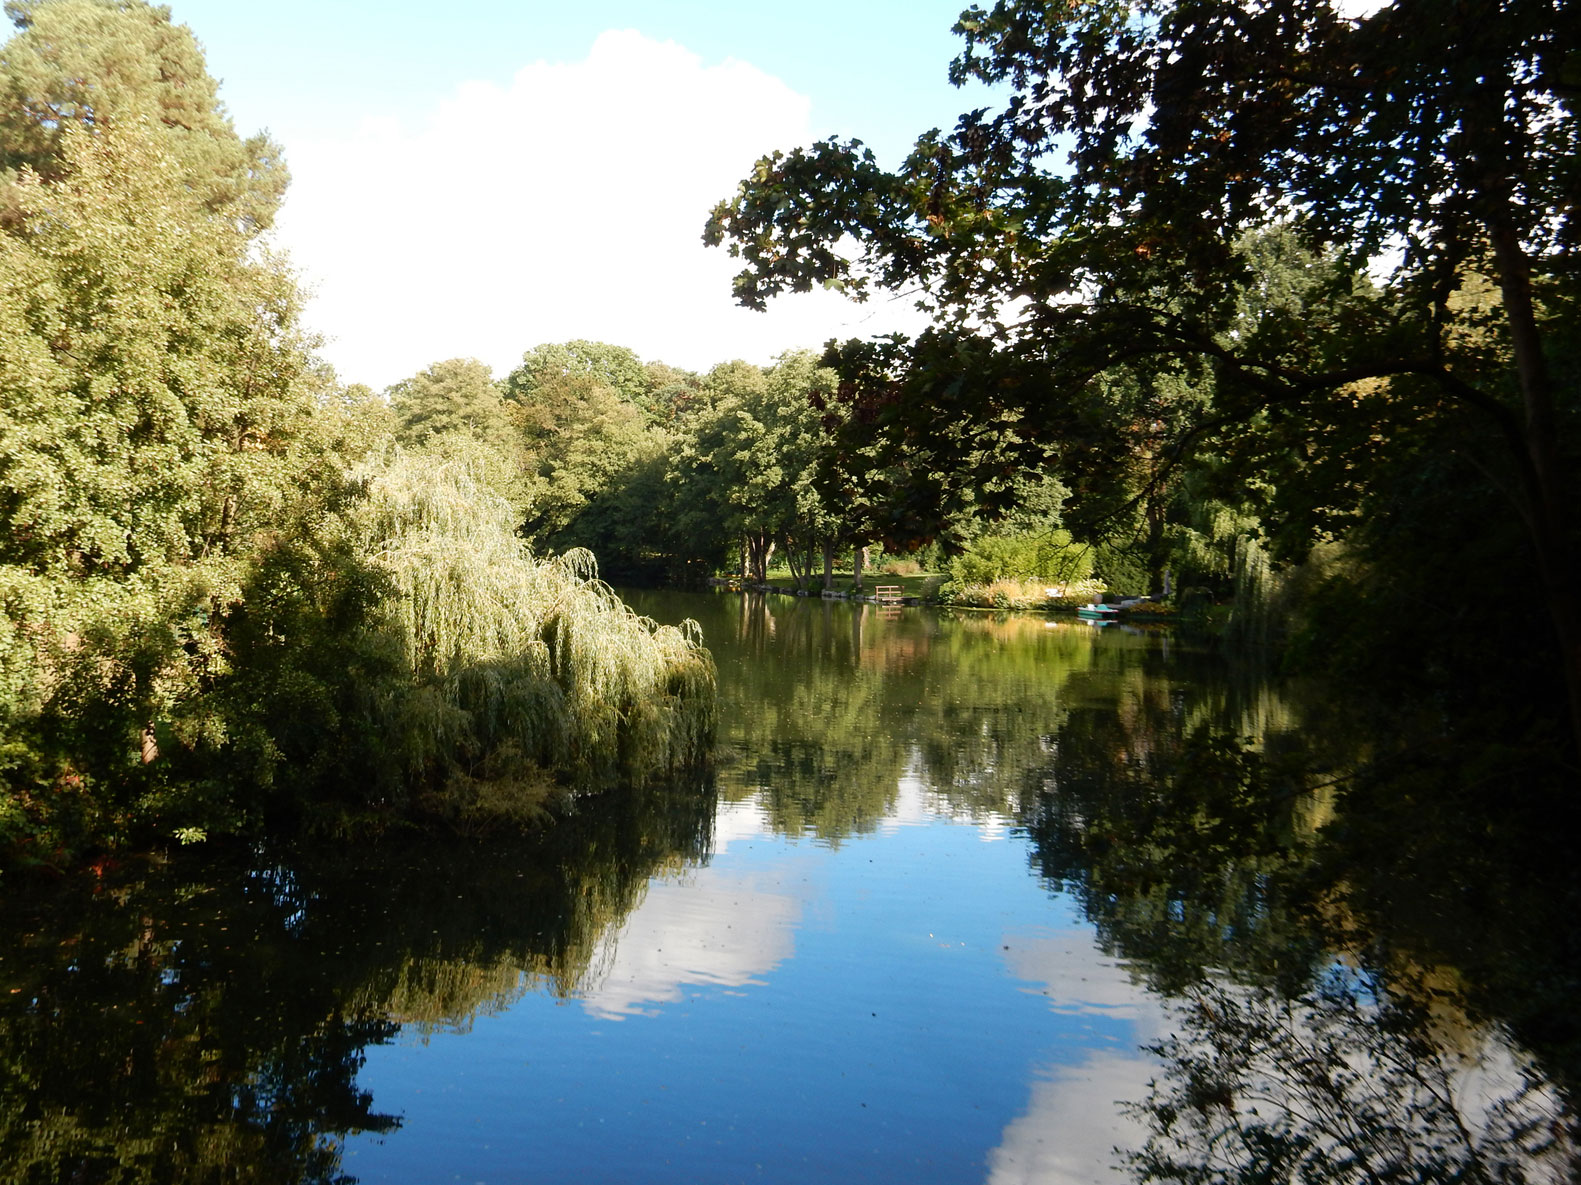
458, 395
162, 413
579, 439
748, 468
613, 367
1099, 219
90, 65
594, 426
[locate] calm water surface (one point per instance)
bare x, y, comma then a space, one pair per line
950, 878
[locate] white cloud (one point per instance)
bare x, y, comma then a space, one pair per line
568, 203
1073, 1124
1074, 1119
716, 930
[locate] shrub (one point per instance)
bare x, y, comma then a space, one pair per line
1051, 557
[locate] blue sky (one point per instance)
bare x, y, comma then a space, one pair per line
470, 182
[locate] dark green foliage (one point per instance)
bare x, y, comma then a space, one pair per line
1152, 267
304, 714
1187, 857
162, 410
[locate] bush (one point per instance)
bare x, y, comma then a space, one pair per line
1015, 594
1122, 569
1049, 557
525, 673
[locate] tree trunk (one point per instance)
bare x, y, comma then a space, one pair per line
828, 564
760, 547
1157, 555
1547, 519
800, 567
857, 564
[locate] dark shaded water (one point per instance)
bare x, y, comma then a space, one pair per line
951, 879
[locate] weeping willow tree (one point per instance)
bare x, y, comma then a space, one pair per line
529, 677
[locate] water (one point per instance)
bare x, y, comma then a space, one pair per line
949, 881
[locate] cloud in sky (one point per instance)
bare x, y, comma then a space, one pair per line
569, 203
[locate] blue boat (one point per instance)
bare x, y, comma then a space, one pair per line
1096, 612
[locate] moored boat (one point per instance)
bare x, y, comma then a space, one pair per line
1097, 612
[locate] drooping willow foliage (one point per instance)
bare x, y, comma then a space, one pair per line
528, 674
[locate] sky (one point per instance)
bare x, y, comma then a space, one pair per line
475, 180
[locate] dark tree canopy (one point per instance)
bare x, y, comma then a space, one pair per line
1102, 237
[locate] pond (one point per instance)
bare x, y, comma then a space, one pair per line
970, 898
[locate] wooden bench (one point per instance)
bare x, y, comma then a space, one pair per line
887, 594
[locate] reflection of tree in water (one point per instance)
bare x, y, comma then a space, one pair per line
835, 705
1180, 847
155, 1027
1345, 1083
1191, 822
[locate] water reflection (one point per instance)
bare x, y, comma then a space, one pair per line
830, 707
187, 1021
1168, 863
713, 930
1351, 1081
1227, 835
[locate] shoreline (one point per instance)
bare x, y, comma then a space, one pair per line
1142, 613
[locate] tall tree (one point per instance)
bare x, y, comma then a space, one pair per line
457, 395
580, 439
613, 367
749, 465
162, 409
95, 64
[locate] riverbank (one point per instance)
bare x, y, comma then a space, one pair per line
921, 589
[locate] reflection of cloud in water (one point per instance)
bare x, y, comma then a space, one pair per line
916, 803
1074, 975
912, 805
714, 930
1073, 1123
1073, 1120
736, 821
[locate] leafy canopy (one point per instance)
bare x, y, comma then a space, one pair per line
1097, 256
92, 65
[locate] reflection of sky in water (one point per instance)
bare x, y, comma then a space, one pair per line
1071, 1125
911, 1006
713, 930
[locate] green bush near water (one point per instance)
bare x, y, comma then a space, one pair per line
396, 654
1048, 556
